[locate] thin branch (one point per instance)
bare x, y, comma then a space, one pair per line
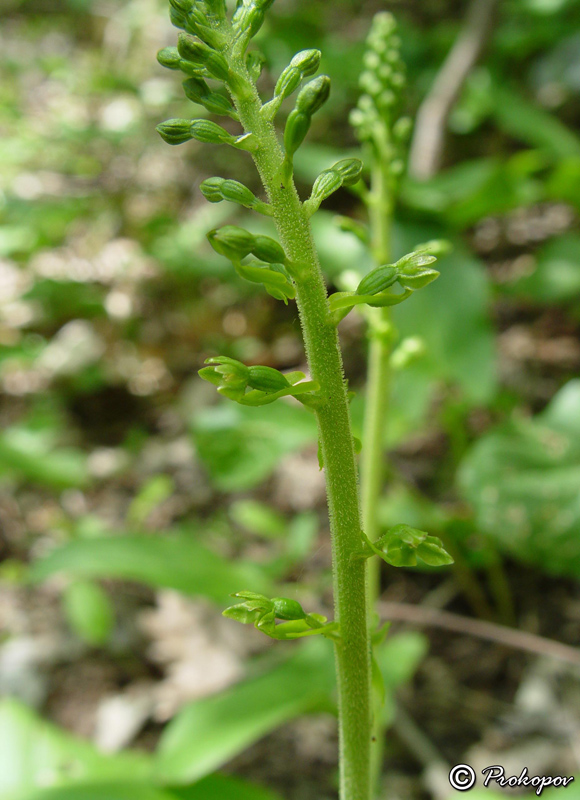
510, 637
428, 140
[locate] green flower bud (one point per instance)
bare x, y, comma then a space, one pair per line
327, 182
288, 81
217, 189
201, 55
433, 553
314, 95
285, 608
240, 613
402, 545
258, 598
345, 172
182, 6
215, 9
211, 189
297, 126
274, 280
197, 23
232, 242
303, 64
204, 130
418, 277
178, 19
175, 131
197, 90
169, 57
230, 376
267, 379
267, 249
249, 16
418, 258
350, 170
378, 280
307, 61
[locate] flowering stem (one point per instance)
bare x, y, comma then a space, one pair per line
337, 446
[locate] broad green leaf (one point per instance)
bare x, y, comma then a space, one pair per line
34, 753
241, 446
522, 480
173, 561
209, 732
221, 787
556, 276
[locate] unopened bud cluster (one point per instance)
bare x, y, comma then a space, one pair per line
344, 173
403, 546
256, 385
263, 612
377, 116
413, 271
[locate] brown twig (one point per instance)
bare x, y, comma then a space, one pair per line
510, 637
427, 145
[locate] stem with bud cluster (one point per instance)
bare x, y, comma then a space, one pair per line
325, 362
289, 270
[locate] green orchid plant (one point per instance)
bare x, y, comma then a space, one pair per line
213, 54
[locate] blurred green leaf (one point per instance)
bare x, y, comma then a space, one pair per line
155, 491
66, 300
32, 456
522, 479
89, 612
174, 561
338, 250
35, 753
209, 732
452, 318
258, 518
530, 123
241, 446
106, 791
556, 277
465, 193
398, 660
400, 656
221, 787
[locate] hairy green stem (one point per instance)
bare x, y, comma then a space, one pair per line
325, 361
376, 411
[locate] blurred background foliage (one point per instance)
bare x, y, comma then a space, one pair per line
132, 501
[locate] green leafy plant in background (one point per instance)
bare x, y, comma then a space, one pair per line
214, 47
